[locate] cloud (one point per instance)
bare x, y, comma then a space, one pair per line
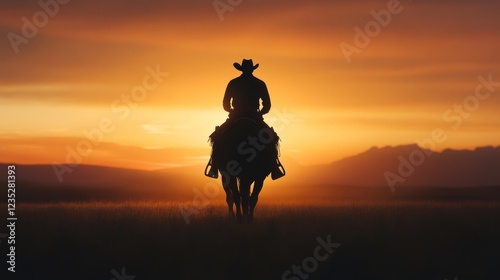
38, 150
164, 129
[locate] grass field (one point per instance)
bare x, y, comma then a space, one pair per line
378, 240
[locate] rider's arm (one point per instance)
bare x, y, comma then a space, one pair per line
226, 102
266, 100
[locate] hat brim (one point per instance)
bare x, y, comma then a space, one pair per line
241, 68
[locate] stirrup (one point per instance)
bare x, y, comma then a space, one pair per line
213, 172
278, 171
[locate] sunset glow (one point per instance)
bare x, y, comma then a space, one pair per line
141, 83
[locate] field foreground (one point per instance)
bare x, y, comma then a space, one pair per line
347, 240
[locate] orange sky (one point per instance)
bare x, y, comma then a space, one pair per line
73, 73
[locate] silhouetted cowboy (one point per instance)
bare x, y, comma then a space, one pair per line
242, 99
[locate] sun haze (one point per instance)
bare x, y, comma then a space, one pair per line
140, 84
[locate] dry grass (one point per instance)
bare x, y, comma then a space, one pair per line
380, 240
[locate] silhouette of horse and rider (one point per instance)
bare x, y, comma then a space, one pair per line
244, 148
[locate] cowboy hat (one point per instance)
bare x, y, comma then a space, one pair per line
246, 65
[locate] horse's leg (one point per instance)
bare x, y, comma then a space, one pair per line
233, 185
245, 193
257, 187
229, 196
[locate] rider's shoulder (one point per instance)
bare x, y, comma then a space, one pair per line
246, 79
257, 79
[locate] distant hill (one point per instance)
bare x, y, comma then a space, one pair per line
39, 183
411, 165
379, 169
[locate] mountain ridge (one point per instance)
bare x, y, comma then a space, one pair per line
416, 166
387, 167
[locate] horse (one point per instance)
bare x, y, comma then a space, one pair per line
245, 152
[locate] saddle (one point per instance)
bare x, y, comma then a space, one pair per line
212, 168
